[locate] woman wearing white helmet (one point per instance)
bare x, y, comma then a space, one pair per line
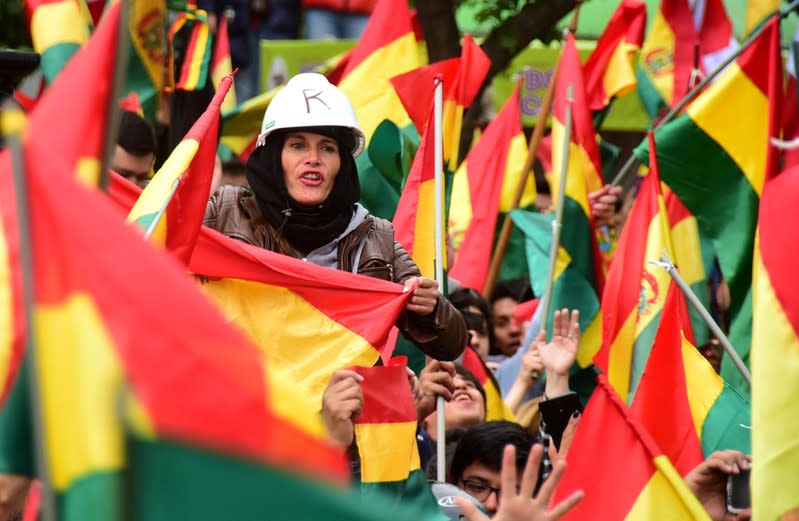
303, 202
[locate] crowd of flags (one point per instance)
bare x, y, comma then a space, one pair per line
126, 399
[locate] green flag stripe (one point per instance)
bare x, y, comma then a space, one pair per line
727, 425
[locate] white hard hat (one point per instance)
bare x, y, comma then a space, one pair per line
309, 100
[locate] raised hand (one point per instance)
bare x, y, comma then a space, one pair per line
521, 505
558, 355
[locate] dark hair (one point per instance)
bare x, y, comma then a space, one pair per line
468, 375
485, 443
136, 135
516, 289
464, 298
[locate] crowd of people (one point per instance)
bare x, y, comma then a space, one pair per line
298, 194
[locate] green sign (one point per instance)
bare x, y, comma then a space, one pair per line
533, 67
282, 59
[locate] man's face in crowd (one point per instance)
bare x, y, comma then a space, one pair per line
135, 169
507, 334
483, 483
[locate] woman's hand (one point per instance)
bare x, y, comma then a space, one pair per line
521, 505
425, 295
342, 401
559, 354
436, 379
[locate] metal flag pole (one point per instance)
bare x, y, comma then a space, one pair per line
162, 210
665, 262
546, 298
48, 504
632, 161
438, 108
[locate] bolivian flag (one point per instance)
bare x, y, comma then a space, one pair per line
667, 57
386, 48
147, 55
496, 409
681, 400
478, 188
191, 166
385, 432
221, 64
12, 310
609, 71
70, 119
716, 157
620, 468
635, 289
58, 29
190, 49
775, 351
578, 249
310, 321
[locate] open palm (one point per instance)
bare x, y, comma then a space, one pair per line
558, 355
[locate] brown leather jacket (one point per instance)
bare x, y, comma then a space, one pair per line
234, 212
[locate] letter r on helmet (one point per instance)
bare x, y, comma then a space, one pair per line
313, 94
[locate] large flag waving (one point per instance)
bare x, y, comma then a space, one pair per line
681, 400
608, 71
191, 167
486, 167
648, 487
635, 289
775, 351
704, 144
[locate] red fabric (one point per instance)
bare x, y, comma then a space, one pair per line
525, 310
31, 512
387, 396
661, 400
342, 6
390, 20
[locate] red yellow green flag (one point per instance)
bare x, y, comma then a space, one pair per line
484, 175
681, 400
703, 144
414, 219
385, 433
620, 468
147, 55
578, 255
190, 33
496, 409
191, 166
58, 29
775, 351
221, 64
78, 140
667, 56
609, 72
387, 48
635, 289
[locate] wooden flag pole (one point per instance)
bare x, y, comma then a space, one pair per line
535, 141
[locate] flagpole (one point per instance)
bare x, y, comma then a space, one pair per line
113, 111
162, 210
48, 502
438, 107
532, 151
632, 161
665, 262
546, 298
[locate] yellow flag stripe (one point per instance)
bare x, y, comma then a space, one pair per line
424, 239
619, 78
590, 341
369, 90
687, 250
775, 415
748, 149
262, 311
707, 384
80, 383
657, 57
621, 357
517, 154
388, 451
57, 23
666, 497
581, 176
6, 308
